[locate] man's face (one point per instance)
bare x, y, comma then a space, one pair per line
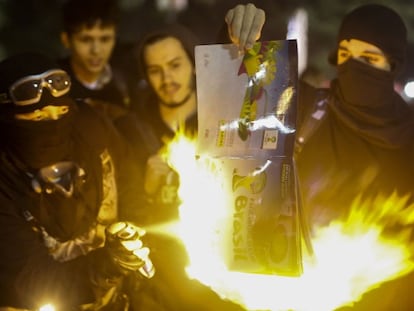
90, 49
363, 52
170, 71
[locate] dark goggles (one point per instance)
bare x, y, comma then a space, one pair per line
28, 90
64, 177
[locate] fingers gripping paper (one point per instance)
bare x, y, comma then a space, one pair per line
247, 120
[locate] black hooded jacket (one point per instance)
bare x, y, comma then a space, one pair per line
29, 276
340, 161
341, 169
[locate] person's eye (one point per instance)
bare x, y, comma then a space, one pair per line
370, 59
176, 65
63, 109
85, 39
38, 115
153, 71
343, 53
106, 39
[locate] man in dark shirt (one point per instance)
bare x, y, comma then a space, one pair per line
89, 35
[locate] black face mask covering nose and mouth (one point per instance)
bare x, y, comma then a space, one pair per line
365, 101
40, 143
363, 85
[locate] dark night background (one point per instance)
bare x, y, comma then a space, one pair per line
35, 24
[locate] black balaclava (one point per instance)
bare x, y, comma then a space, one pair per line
365, 99
377, 25
362, 85
35, 143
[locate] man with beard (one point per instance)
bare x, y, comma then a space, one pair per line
170, 104
166, 58
355, 139
62, 188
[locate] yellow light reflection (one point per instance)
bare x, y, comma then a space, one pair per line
47, 307
351, 257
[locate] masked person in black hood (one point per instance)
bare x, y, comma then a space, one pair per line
355, 139
62, 188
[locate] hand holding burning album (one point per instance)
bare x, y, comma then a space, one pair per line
247, 114
239, 218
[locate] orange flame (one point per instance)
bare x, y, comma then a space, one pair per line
351, 257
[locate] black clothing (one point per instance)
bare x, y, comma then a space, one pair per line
31, 273
363, 149
147, 135
355, 150
171, 285
151, 128
367, 23
49, 138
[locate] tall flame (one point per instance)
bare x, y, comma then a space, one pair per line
351, 257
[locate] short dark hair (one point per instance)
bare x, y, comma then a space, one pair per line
80, 13
183, 34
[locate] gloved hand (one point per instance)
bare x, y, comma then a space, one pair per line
123, 243
244, 24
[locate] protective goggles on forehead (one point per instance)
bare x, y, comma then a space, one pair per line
28, 90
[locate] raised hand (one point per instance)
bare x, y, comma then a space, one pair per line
244, 24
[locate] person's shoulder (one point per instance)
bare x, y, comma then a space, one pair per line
86, 111
309, 91
309, 95
91, 126
312, 110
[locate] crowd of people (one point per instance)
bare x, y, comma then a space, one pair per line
70, 181
82, 167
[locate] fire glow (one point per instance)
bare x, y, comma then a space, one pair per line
350, 257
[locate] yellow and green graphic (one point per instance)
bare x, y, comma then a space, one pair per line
259, 64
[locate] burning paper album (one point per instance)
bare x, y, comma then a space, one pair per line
247, 118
